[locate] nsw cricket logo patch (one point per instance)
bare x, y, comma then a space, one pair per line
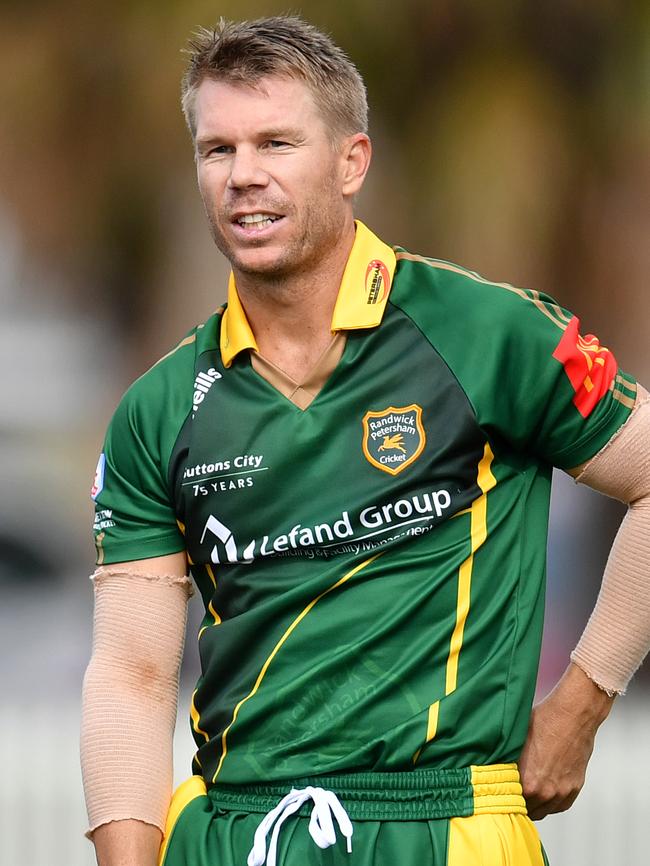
393, 438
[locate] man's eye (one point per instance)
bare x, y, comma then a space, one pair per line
219, 149
274, 144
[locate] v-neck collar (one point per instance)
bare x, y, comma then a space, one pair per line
301, 394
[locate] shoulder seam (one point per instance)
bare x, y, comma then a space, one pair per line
551, 310
191, 338
186, 342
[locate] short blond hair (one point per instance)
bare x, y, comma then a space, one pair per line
243, 52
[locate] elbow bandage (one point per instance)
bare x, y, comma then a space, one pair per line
617, 636
130, 695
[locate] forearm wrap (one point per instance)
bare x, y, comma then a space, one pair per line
617, 637
130, 695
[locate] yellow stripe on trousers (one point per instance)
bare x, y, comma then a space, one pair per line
189, 790
494, 840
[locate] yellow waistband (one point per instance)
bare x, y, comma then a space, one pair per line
497, 789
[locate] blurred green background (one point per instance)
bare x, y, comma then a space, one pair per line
512, 137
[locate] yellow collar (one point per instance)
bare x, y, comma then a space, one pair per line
360, 303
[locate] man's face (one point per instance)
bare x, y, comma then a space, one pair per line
270, 179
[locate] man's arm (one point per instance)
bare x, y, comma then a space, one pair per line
563, 727
129, 705
127, 842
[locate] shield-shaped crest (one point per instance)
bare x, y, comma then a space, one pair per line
393, 438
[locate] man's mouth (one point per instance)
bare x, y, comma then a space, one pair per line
256, 220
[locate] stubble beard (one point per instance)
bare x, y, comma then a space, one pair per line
319, 234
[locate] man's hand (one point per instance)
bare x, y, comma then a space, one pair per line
560, 741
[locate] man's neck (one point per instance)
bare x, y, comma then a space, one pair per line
291, 317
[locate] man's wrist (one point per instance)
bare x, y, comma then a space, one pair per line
127, 842
582, 697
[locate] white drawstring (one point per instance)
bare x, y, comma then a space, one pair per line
321, 825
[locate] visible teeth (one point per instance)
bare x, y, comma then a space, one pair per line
261, 219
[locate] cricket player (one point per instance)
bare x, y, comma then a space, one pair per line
351, 464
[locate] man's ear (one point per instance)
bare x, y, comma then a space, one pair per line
356, 152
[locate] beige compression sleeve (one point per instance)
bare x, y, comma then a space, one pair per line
617, 636
130, 695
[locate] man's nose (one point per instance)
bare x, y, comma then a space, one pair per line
246, 169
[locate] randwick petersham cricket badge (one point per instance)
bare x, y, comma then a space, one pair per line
393, 438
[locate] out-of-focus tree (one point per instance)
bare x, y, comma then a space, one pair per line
512, 137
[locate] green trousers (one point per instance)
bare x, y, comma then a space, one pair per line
470, 817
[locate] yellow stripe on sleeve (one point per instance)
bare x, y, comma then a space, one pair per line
551, 310
99, 541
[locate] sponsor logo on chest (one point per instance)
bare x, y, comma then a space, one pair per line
222, 476
351, 532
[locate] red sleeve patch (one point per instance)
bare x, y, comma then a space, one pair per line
591, 368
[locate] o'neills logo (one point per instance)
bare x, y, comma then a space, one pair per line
394, 438
202, 384
377, 282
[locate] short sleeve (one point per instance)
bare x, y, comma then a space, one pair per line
537, 383
134, 511
545, 387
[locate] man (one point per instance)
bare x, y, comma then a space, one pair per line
354, 458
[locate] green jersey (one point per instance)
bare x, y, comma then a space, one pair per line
372, 566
